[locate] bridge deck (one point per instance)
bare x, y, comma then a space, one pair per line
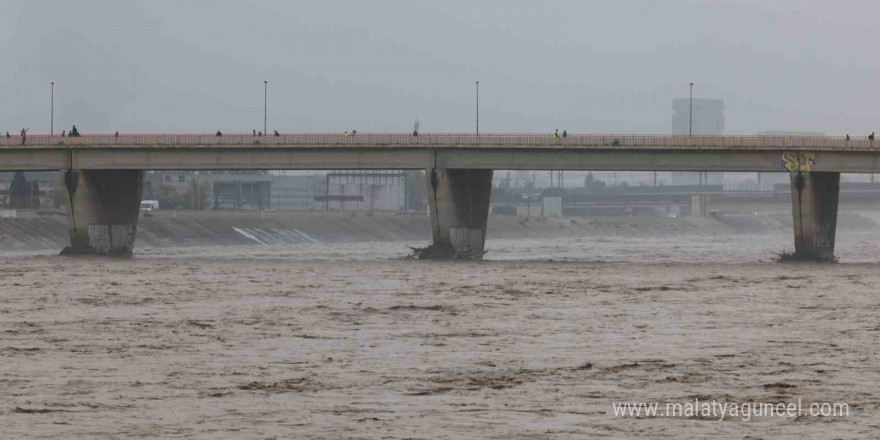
430, 150
448, 140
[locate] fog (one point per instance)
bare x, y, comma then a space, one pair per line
584, 66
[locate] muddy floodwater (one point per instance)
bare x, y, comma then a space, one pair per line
349, 341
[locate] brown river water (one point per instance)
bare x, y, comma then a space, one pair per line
350, 341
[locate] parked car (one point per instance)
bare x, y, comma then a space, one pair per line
149, 205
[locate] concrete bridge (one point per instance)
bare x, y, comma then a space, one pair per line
104, 173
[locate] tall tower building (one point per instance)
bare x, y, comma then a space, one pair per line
708, 119
708, 116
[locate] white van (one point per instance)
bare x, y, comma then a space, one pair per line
149, 205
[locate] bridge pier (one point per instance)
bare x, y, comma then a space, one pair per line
814, 198
459, 203
700, 205
102, 211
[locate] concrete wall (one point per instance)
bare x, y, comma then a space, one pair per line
220, 228
551, 207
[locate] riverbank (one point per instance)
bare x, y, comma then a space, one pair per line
166, 229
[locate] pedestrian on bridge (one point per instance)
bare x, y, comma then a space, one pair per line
871, 137
63, 133
218, 134
73, 132
255, 132
564, 134
24, 134
7, 134
556, 136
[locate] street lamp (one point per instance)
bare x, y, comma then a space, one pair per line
478, 108
691, 113
265, 105
52, 111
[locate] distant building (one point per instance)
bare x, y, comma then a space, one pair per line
708, 116
708, 119
48, 182
335, 190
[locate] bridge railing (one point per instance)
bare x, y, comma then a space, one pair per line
447, 140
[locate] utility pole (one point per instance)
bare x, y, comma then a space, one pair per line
265, 105
691, 113
52, 111
478, 108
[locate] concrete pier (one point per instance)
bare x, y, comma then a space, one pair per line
700, 205
814, 198
102, 210
459, 205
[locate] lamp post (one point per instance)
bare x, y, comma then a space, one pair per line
265, 105
691, 113
52, 111
478, 108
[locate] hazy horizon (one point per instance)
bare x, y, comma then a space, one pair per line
594, 66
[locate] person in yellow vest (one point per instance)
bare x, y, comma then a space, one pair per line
556, 136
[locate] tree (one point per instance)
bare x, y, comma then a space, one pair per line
34, 199
168, 197
202, 196
19, 191
59, 197
149, 193
417, 190
593, 184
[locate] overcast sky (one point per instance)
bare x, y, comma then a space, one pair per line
376, 65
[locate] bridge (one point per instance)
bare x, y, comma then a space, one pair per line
104, 173
433, 151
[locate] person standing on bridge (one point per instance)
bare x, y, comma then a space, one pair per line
24, 134
556, 136
73, 132
218, 134
564, 134
276, 133
871, 137
255, 132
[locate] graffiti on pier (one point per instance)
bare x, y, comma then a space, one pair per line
797, 161
825, 236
